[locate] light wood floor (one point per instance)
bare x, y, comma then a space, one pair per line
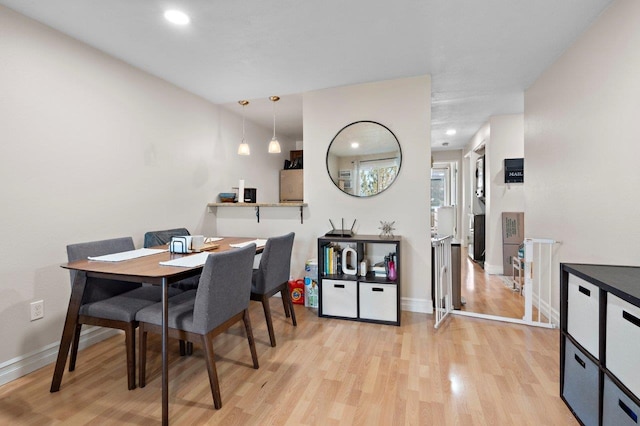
323, 372
488, 294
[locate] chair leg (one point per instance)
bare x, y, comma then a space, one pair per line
142, 353
213, 374
286, 298
252, 342
285, 305
186, 348
130, 342
267, 316
74, 347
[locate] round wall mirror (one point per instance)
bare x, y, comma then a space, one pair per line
364, 158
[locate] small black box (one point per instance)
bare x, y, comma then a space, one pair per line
250, 195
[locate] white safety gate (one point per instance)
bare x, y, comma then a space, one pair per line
442, 286
538, 280
538, 288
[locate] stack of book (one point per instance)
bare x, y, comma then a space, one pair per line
332, 259
379, 270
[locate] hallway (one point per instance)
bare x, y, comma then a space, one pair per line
488, 294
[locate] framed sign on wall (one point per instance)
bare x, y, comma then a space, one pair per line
513, 170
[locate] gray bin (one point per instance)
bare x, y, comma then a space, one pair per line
618, 409
581, 384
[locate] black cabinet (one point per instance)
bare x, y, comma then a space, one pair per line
600, 343
477, 248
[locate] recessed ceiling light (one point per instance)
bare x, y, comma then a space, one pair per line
451, 132
177, 17
354, 145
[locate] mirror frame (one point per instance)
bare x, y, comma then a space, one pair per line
399, 155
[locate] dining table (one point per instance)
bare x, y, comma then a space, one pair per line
146, 269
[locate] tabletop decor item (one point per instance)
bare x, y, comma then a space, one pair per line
386, 229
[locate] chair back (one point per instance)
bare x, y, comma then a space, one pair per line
158, 238
98, 288
275, 264
224, 289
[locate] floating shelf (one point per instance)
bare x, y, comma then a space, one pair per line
257, 206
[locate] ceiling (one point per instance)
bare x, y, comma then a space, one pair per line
481, 55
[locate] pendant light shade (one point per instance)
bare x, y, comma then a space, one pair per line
274, 145
243, 148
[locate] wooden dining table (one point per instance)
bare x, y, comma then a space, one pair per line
145, 269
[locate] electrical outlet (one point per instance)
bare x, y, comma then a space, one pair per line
37, 310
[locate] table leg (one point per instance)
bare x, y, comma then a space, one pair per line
77, 291
165, 367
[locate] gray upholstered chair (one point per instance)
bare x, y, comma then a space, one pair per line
158, 238
221, 300
110, 303
272, 276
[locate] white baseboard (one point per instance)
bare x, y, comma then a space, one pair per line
424, 306
545, 309
28, 363
493, 269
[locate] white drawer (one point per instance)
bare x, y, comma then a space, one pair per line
583, 313
623, 342
379, 302
340, 298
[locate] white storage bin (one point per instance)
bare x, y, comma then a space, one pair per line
623, 342
378, 302
617, 408
340, 298
583, 313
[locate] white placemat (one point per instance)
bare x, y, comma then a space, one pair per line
258, 243
126, 255
191, 261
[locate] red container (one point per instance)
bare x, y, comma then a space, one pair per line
296, 290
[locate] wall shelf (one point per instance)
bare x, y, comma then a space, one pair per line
257, 206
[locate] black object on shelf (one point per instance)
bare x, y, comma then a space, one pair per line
340, 232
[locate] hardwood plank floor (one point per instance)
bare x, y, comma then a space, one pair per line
489, 294
323, 372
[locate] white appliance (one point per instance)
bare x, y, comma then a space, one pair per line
480, 193
446, 220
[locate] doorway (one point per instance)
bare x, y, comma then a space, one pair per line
453, 185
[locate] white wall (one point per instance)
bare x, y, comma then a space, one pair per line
93, 148
507, 141
404, 107
581, 145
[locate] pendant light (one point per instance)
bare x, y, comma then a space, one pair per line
274, 145
243, 149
